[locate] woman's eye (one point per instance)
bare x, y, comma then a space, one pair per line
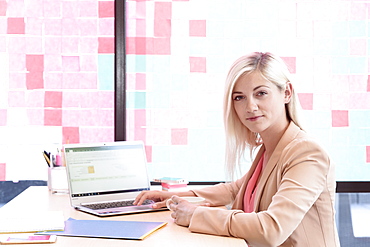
261, 93
238, 98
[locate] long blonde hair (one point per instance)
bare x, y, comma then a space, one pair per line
239, 137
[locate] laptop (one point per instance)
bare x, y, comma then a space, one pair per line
105, 178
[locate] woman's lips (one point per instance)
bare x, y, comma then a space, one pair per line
254, 118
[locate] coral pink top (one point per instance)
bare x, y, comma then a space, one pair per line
251, 187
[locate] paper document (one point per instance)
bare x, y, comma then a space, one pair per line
14, 222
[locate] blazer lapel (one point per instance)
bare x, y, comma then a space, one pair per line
288, 136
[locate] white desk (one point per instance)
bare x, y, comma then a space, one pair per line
38, 198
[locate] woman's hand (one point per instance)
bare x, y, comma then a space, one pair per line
182, 210
159, 197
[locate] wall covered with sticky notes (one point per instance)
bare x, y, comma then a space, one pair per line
178, 55
57, 80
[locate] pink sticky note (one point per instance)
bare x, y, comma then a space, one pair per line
15, 8
53, 117
106, 9
140, 118
2, 171
140, 134
52, 9
35, 98
106, 27
35, 116
71, 80
71, 135
71, 117
53, 26
53, 63
105, 99
70, 9
16, 99
70, 26
197, 28
35, 62
34, 10
34, 45
359, 100
140, 10
88, 62
179, 136
140, 81
71, 63
17, 44
339, 118
90, 44
163, 10
3, 7
35, 27
88, 8
198, 64
88, 80
291, 63
161, 46
139, 45
34, 80
88, 27
70, 44
16, 26
162, 27
17, 80
53, 45
53, 80
106, 45
367, 154
306, 100
149, 153
140, 30
17, 62
53, 99
104, 117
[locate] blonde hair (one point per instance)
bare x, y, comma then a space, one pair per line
239, 137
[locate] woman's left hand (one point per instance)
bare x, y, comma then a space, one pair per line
182, 210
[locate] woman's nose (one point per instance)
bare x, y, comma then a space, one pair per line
251, 106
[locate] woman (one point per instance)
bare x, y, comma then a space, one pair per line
287, 196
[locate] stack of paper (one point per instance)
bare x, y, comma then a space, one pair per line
15, 222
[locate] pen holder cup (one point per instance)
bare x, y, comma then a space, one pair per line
57, 180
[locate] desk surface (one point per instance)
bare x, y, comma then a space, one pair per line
38, 198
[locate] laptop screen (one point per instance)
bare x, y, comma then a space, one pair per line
106, 168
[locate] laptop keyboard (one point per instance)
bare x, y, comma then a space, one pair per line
116, 204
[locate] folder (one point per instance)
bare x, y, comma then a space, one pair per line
132, 230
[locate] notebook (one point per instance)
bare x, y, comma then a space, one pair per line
107, 173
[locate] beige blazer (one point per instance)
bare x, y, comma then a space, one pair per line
294, 203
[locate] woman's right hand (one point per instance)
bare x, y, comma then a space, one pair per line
159, 197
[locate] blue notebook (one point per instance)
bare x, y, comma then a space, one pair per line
133, 230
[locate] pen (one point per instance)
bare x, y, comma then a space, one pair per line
46, 156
